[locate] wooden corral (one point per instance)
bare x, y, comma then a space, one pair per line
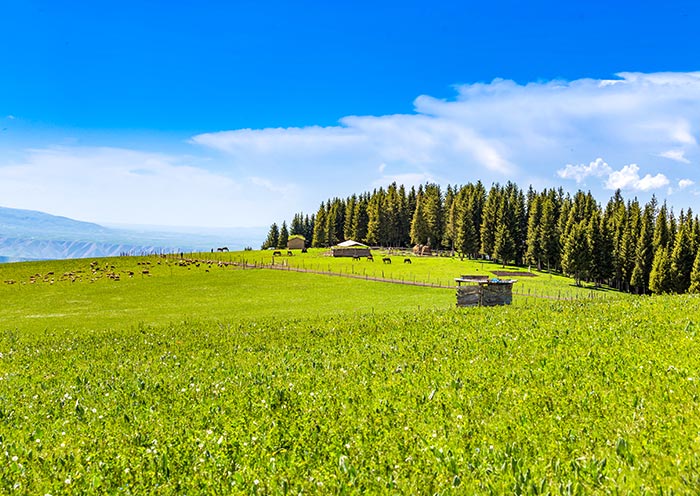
485, 293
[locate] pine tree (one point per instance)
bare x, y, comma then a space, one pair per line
644, 253
504, 246
320, 234
695, 275
547, 233
284, 236
682, 258
272, 237
349, 217
576, 256
376, 223
601, 246
433, 212
419, 225
489, 220
360, 220
533, 253
660, 280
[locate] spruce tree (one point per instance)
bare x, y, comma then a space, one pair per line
284, 236
695, 275
419, 225
272, 237
320, 235
576, 256
644, 253
682, 258
504, 246
660, 280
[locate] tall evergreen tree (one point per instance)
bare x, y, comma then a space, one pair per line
376, 214
349, 217
419, 225
695, 275
284, 236
644, 253
320, 235
489, 220
360, 220
576, 256
533, 253
660, 279
547, 232
682, 258
273, 236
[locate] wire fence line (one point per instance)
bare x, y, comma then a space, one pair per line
579, 294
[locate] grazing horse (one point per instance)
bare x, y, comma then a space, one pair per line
276, 253
355, 257
370, 258
303, 250
386, 260
407, 260
223, 248
289, 253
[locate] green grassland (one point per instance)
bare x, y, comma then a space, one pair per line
259, 381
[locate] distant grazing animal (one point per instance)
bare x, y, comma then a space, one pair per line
289, 253
407, 260
386, 260
355, 257
276, 253
303, 250
223, 248
370, 258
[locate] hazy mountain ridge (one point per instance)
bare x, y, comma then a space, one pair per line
31, 235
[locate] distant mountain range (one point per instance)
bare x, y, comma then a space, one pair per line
31, 235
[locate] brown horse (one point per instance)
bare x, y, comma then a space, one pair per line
386, 260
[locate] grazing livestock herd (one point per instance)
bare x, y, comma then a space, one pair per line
107, 270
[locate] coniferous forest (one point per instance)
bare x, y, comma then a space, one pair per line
629, 246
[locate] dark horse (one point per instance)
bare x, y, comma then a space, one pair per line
386, 260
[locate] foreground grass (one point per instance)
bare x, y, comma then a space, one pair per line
558, 398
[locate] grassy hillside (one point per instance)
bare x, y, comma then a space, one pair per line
260, 381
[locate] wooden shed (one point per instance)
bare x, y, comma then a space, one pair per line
484, 292
296, 242
350, 248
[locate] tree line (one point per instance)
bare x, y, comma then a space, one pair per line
626, 245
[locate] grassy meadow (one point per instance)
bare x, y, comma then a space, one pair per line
210, 380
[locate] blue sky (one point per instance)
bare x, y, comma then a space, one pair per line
242, 113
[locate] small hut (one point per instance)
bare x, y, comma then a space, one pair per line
484, 292
422, 250
350, 248
296, 242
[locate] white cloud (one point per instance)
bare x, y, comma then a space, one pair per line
597, 168
493, 131
120, 186
496, 131
628, 178
677, 155
685, 183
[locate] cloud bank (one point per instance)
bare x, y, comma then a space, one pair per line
637, 132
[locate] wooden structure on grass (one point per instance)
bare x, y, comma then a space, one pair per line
296, 242
480, 291
351, 249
